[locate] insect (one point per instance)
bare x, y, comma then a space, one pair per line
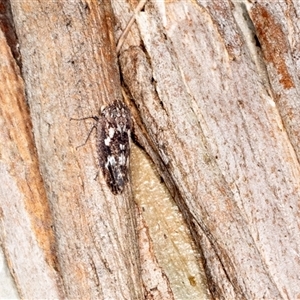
113, 126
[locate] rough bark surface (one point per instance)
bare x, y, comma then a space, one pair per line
70, 71
26, 225
215, 87
214, 98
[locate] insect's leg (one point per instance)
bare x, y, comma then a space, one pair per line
86, 118
96, 175
94, 127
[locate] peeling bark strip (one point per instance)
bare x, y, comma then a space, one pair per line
113, 148
274, 43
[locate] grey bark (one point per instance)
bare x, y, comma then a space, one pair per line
215, 85
213, 89
69, 66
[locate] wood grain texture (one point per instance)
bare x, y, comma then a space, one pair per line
70, 71
211, 88
26, 229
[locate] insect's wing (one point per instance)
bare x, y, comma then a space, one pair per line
113, 145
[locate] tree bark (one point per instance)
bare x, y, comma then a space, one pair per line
26, 224
213, 91
69, 66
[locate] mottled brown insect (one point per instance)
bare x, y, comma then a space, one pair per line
113, 127
113, 145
